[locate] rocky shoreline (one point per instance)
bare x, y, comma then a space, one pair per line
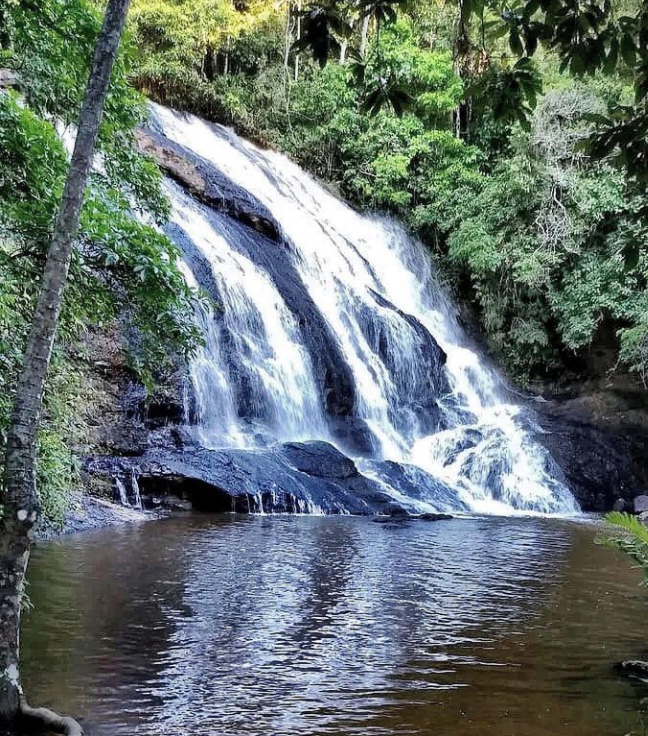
89, 513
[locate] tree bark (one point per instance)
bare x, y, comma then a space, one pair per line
287, 37
299, 7
364, 32
18, 497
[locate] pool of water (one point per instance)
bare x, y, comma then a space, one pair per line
259, 626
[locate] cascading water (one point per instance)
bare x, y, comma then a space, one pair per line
272, 370
340, 333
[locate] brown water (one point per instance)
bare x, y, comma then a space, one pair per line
312, 626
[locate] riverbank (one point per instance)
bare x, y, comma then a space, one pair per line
88, 513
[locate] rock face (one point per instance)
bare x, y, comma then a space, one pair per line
296, 477
600, 441
251, 229
207, 184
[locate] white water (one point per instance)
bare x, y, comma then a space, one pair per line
345, 259
265, 340
120, 492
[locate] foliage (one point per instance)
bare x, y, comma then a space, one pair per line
121, 266
458, 118
631, 537
463, 119
545, 240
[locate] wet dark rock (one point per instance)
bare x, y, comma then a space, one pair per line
597, 462
620, 505
413, 482
175, 503
207, 184
319, 459
434, 517
637, 668
431, 380
395, 510
597, 431
354, 434
87, 513
128, 439
241, 480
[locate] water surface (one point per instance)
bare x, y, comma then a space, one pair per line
252, 626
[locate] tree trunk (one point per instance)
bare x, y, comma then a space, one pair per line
299, 7
288, 37
21, 507
364, 31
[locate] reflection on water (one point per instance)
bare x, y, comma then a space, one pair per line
282, 625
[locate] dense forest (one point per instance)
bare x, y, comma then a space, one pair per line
510, 139
428, 112
492, 135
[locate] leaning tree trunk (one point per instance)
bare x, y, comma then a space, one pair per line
18, 497
364, 32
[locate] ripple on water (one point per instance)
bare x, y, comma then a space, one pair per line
285, 626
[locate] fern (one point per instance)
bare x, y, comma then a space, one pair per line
631, 537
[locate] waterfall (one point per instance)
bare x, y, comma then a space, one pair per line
120, 492
340, 332
135, 492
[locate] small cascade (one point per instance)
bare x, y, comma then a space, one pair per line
253, 378
336, 330
135, 492
120, 492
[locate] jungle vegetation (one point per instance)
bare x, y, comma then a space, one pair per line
510, 137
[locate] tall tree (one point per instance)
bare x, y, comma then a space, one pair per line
18, 495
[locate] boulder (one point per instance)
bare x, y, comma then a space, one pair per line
320, 460
640, 504
310, 477
354, 434
8, 78
598, 464
619, 505
395, 510
412, 482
